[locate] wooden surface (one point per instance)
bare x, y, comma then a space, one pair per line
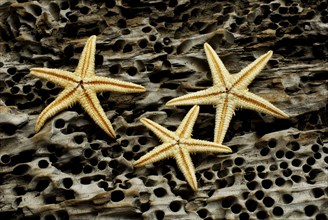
72, 170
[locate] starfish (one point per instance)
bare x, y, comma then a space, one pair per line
178, 145
229, 92
81, 86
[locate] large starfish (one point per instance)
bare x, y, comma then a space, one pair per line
178, 145
81, 86
229, 92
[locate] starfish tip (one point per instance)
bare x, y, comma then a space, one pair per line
169, 103
196, 107
206, 45
142, 89
93, 37
112, 135
36, 128
144, 120
194, 186
33, 69
92, 40
270, 52
285, 115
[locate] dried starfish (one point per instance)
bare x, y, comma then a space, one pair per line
178, 145
81, 86
229, 92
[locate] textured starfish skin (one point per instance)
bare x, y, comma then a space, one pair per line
81, 86
179, 145
229, 92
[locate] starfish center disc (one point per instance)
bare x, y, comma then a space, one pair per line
81, 84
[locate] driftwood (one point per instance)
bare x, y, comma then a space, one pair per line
72, 169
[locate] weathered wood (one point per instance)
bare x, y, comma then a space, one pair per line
72, 169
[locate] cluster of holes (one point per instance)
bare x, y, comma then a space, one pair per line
259, 180
75, 166
251, 206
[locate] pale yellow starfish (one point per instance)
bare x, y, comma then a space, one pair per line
178, 145
81, 86
229, 92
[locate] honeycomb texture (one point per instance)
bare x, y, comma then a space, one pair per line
72, 170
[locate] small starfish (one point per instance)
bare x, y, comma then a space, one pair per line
229, 92
81, 86
179, 144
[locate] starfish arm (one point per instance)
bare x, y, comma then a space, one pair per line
162, 133
102, 84
91, 105
59, 77
186, 166
251, 101
220, 74
247, 75
86, 66
185, 128
204, 97
158, 153
195, 146
66, 99
224, 113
